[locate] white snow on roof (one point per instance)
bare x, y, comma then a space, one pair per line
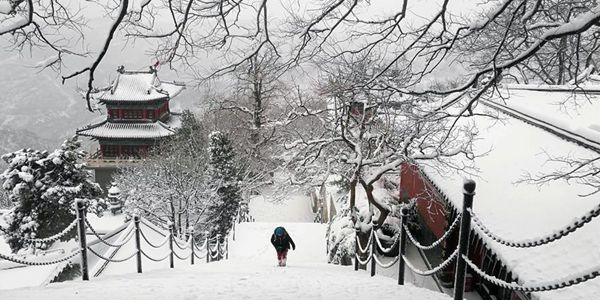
522, 211
139, 86
153, 130
577, 112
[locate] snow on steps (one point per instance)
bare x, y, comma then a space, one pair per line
253, 241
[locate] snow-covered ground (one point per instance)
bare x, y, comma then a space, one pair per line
234, 279
251, 273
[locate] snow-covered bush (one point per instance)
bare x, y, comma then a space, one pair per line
43, 186
4, 201
340, 239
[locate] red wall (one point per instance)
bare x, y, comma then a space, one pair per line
430, 204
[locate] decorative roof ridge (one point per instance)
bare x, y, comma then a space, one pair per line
90, 126
165, 126
121, 70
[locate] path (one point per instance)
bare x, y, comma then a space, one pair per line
250, 273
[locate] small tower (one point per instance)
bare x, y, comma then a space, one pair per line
138, 117
115, 204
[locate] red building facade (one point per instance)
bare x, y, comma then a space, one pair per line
138, 117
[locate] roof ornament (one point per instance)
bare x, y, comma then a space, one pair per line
121, 69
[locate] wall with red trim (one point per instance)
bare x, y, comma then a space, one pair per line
430, 204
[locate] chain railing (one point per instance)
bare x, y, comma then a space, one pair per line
463, 260
374, 245
558, 234
213, 249
368, 253
436, 243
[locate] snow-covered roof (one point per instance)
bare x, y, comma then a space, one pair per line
139, 86
111, 130
526, 211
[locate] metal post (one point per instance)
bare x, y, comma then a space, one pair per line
207, 247
192, 244
463, 244
218, 246
136, 221
357, 251
402, 246
373, 249
226, 248
171, 256
234, 221
82, 240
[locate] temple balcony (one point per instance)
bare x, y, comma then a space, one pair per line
97, 161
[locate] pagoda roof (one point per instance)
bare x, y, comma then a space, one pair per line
120, 130
139, 86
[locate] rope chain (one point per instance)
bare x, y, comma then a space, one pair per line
360, 248
363, 262
182, 258
203, 247
572, 227
435, 270
216, 254
388, 265
185, 246
539, 287
153, 245
436, 243
38, 263
383, 249
54, 237
200, 257
102, 240
155, 259
113, 259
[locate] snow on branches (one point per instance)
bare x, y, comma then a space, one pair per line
224, 176
43, 186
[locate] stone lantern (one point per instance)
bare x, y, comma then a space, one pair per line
115, 204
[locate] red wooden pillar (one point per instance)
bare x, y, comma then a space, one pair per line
101, 151
119, 151
145, 114
120, 114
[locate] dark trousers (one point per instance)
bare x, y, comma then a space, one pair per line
282, 254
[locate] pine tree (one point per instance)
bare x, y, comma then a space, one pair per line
223, 176
43, 186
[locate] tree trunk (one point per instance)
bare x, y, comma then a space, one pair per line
383, 211
561, 60
353, 193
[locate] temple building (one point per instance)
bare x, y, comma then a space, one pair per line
138, 117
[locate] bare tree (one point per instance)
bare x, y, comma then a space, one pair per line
549, 40
369, 130
512, 31
255, 103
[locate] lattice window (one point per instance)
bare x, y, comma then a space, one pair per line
110, 151
133, 114
131, 151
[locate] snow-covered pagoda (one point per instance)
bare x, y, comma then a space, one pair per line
138, 117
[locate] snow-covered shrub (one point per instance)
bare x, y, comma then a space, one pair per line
4, 201
341, 235
43, 187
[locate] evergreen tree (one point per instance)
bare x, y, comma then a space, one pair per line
43, 187
223, 176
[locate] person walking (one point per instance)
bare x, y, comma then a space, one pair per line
281, 240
